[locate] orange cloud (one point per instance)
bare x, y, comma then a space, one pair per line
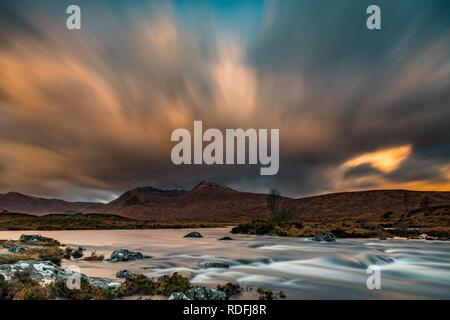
386, 160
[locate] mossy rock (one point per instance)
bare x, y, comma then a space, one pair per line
193, 234
324, 237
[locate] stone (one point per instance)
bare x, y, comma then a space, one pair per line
45, 272
40, 271
125, 255
194, 234
202, 293
17, 248
124, 274
178, 296
216, 264
37, 238
324, 237
103, 283
225, 239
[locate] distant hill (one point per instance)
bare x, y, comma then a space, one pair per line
206, 201
21, 203
93, 221
372, 201
210, 201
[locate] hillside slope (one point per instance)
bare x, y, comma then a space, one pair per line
21, 203
210, 201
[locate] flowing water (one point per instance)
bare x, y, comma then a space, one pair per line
303, 269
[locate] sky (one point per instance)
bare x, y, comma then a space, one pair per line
87, 114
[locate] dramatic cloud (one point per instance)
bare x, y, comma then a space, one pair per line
385, 160
88, 114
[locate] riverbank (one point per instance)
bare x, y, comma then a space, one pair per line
431, 223
95, 221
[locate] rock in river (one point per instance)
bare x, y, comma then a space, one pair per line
125, 255
216, 264
37, 238
124, 274
194, 234
225, 239
324, 237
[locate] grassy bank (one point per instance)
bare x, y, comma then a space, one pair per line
19, 221
433, 221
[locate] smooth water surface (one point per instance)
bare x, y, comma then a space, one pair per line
303, 269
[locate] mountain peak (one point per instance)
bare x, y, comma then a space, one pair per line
17, 195
144, 192
210, 186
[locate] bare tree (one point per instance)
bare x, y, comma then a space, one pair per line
405, 202
273, 202
424, 204
280, 211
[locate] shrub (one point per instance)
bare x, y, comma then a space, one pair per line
78, 253
139, 284
4, 288
22, 287
32, 292
73, 253
8, 258
94, 257
59, 289
387, 214
67, 253
266, 294
230, 289
56, 259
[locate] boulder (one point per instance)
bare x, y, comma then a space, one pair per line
17, 248
178, 296
194, 234
202, 293
324, 237
125, 255
225, 239
40, 271
48, 272
216, 264
124, 274
37, 238
103, 283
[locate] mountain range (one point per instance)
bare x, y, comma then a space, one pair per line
214, 202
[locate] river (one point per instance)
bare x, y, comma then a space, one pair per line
303, 269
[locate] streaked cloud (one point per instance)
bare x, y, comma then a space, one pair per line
91, 112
